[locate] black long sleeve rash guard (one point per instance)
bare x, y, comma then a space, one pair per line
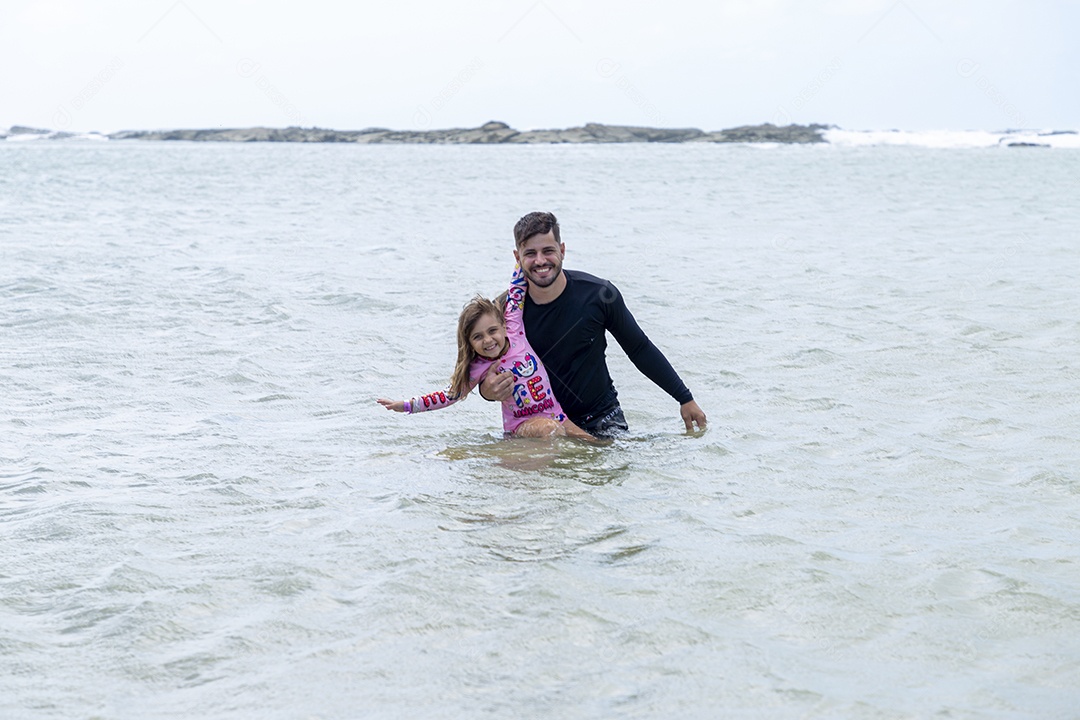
568, 334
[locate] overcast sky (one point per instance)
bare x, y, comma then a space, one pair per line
861, 64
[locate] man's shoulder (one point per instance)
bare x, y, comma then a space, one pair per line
584, 281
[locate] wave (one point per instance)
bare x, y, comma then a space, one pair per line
21, 134
954, 138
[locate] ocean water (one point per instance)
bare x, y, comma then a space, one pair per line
204, 513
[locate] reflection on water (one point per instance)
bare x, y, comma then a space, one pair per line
589, 463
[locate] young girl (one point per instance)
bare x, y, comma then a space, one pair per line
485, 338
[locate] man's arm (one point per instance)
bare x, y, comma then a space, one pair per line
647, 357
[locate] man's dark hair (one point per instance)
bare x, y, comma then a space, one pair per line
535, 223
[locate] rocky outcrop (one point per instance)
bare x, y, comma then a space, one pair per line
23, 130
767, 133
490, 134
256, 134
597, 133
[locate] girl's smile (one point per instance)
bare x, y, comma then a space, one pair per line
488, 336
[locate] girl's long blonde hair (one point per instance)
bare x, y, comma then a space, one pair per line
470, 314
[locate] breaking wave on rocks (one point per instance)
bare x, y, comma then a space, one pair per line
17, 133
955, 138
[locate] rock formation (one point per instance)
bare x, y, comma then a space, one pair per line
491, 133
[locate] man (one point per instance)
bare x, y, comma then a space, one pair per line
566, 315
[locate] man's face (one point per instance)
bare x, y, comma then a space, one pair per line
541, 259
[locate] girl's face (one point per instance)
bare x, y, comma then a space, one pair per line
487, 336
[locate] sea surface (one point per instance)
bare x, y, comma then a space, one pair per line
205, 514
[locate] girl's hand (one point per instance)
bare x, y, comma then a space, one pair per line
395, 405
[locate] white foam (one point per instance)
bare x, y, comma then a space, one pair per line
951, 138
51, 135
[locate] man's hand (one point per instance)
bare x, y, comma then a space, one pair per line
497, 386
691, 415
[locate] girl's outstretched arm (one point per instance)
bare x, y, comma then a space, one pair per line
431, 401
395, 405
